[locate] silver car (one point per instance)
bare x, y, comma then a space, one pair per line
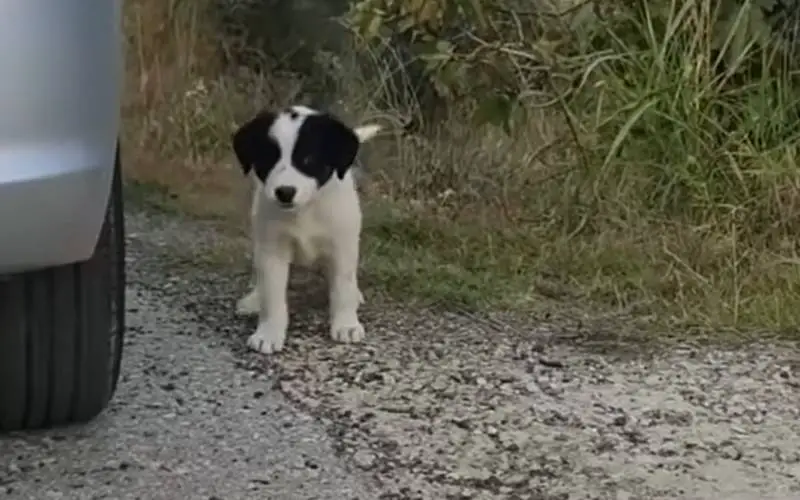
62, 265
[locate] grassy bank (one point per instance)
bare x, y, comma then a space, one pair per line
663, 186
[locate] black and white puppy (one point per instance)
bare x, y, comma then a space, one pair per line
305, 208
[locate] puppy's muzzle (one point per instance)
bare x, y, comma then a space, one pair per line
285, 195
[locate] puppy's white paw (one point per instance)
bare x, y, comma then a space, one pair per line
268, 338
248, 305
347, 332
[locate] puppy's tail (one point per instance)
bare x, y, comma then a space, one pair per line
367, 132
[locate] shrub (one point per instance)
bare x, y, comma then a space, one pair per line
639, 154
677, 119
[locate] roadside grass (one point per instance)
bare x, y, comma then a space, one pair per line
663, 190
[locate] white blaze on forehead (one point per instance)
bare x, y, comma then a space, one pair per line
285, 129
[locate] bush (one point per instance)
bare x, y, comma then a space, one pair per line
677, 124
637, 154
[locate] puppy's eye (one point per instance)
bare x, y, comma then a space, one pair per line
308, 160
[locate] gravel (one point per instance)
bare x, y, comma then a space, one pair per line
435, 405
188, 421
445, 410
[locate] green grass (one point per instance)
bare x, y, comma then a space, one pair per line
661, 188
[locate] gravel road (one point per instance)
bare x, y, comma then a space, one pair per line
188, 422
434, 406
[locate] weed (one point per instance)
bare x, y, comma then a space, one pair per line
653, 169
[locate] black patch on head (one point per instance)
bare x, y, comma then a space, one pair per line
324, 145
254, 148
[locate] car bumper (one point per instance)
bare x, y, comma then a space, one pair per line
53, 201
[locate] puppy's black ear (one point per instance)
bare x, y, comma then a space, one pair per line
340, 143
252, 145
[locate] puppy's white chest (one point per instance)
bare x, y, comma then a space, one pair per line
310, 239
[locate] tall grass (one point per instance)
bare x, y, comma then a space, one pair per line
695, 134
665, 183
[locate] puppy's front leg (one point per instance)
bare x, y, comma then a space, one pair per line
272, 277
345, 296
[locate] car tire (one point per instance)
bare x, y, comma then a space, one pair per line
61, 333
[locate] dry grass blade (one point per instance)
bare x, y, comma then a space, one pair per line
646, 155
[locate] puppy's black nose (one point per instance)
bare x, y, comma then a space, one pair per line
285, 194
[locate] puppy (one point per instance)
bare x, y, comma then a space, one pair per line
305, 208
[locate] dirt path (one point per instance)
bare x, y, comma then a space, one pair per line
443, 406
484, 415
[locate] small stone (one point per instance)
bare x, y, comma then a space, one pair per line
467, 493
364, 459
516, 479
730, 452
462, 423
440, 383
605, 444
669, 449
551, 363
512, 441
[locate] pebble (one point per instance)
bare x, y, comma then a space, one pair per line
364, 459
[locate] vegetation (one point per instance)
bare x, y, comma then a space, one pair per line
628, 155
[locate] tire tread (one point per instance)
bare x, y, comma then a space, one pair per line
62, 333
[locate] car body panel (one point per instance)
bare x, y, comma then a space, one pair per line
60, 94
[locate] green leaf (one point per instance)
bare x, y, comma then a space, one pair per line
444, 47
373, 27
495, 110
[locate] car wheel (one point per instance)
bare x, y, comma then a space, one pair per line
61, 332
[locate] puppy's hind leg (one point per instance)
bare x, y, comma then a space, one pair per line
249, 304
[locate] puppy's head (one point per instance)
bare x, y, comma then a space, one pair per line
295, 152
